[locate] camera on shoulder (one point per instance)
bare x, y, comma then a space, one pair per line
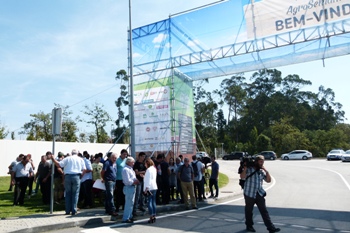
248, 161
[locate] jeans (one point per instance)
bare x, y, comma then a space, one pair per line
129, 192
72, 186
152, 203
109, 202
213, 182
260, 202
138, 197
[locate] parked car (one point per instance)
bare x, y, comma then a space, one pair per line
297, 154
201, 154
234, 155
268, 155
335, 154
346, 156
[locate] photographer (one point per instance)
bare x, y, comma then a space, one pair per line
254, 172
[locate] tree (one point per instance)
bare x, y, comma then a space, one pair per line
98, 117
3, 131
39, 127
122, 102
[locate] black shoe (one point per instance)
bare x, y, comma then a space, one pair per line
128, 221
195, 207
250, 229
274, 230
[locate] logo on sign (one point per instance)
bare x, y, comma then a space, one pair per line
148, 129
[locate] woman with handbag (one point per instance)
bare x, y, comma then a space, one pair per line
150, 188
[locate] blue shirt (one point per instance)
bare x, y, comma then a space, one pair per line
87, 176
120, 166
214, 170
254, 184
110, 171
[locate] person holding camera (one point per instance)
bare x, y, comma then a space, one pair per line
254, 172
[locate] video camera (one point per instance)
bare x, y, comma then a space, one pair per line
246, 160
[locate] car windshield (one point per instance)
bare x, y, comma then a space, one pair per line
347, 152
335, 152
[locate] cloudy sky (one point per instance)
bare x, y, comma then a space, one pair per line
68, 51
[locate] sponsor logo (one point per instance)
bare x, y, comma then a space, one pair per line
154, 128
148, 129
161, 106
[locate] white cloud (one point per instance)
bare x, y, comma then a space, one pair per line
159, 38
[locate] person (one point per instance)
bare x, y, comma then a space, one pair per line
186, 175
140, 170
108, 177
86, 182
73, 168
163, 180
172, 178
254, 193
197, 180
119, 182
150, 188
181, 159
58, 181
18, 160
19, 177
44, 178
214, 176
31, 178
179, 193
96, 174
129, 180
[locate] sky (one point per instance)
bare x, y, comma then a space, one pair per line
68, 51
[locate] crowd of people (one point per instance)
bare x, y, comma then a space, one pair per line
130, 185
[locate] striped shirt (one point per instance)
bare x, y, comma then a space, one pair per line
254, 184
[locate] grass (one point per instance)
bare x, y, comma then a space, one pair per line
31, 206
34, 204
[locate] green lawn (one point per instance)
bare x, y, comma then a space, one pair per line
34, 204
31, 206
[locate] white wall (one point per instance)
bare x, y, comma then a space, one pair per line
10, 149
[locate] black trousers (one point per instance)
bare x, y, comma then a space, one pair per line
214, 182
21, 184
261, 204
197, 185
45, 188
86, 188
119, 195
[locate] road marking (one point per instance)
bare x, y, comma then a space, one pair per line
341, 176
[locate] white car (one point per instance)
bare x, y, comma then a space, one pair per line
346, 156
335, 154
201, 154
297, 154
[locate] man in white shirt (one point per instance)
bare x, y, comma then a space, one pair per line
197, 181
129, 180
74, 168
20, 178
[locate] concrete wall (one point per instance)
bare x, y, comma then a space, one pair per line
10, 149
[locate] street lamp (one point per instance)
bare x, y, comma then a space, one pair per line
222, 149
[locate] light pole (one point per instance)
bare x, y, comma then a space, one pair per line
131, 93
222, 149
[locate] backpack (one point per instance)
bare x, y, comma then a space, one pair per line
195, 168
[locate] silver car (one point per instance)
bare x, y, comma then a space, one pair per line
335, 154
297, 154
346, 156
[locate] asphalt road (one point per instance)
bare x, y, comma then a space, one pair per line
304, 196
